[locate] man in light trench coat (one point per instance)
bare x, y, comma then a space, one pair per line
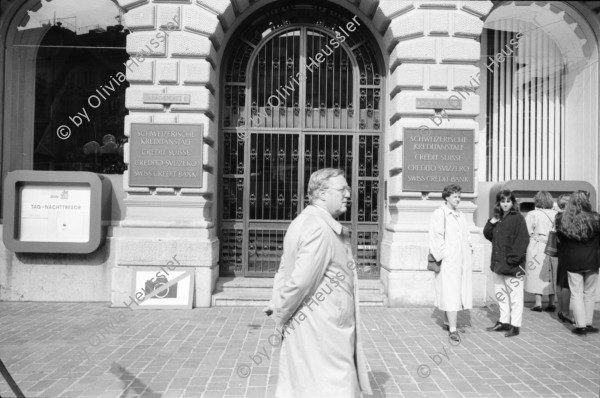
315, 299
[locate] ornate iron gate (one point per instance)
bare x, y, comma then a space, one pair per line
286, 115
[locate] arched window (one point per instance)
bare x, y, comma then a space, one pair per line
541, 78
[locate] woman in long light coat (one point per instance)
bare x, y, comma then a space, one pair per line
315, 300
449, 242
541, 269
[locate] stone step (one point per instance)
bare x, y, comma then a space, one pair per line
256, 292
234, 283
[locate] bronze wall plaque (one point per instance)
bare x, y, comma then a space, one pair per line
440, 103
434, 158
158, 98
166, 155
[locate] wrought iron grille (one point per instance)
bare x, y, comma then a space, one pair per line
297, 118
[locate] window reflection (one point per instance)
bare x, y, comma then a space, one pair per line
80, 83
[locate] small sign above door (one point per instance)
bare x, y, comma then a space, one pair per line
439, 103
158, 98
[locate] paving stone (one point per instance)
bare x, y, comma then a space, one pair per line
198, 353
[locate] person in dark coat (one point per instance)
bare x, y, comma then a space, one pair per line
578, 240
508, 233
562, 278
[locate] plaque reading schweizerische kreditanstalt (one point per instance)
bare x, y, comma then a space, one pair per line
434, 158
165, 155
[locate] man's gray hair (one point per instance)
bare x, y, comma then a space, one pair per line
319, 179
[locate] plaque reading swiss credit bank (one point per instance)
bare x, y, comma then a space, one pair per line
166, 155
434, 158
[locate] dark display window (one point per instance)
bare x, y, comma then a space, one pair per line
80, 98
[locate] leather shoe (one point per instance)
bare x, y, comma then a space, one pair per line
499, 327
537, 308
564, 319
454, 336
579, 331
514, 331
550, 308
591, 329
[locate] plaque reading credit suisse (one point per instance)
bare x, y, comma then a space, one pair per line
434, 158
166, 155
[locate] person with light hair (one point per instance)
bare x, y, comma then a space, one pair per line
315, 299
540, 273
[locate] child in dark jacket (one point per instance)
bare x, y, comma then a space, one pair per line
507, 231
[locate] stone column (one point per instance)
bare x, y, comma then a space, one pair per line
173, 57
434, 55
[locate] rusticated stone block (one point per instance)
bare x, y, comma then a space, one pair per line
222, 8
184, 44
466, 76
199, 72
140, 72
141, 18
439, 22
147, 43
129, 4
201, 100
405, 27
169, 17
388, 10
467, 25
460, 50
438, 77
479, 8
407, 76
168, 118
419, 50
167, 71
202, 21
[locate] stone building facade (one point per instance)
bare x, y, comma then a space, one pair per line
395, 55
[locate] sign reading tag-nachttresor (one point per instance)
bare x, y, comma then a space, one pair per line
435, 158
166, 155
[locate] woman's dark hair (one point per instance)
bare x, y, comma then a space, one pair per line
506, 193
578, 221
562, 201
543, 200
451, 189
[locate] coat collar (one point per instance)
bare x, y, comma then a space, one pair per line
325, 216
448, 210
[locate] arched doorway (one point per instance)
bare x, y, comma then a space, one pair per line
299, 95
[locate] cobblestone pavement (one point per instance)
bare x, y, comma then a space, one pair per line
89, 350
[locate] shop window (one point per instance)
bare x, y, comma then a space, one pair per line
80, 87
